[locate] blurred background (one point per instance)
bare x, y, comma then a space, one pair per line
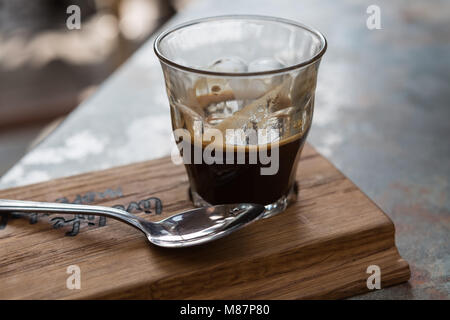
46, 70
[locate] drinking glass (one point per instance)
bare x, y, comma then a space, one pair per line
241, 93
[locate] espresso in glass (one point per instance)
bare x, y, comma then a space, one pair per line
236, 183
241, 103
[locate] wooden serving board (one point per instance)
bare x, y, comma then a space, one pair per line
320, 247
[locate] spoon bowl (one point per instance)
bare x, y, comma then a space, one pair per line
202, 224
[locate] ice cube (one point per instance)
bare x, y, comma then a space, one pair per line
254, 88
215, 86
254, 112
264, 64
219, 92
208, 91
229, 64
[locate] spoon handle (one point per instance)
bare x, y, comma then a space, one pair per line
47, 207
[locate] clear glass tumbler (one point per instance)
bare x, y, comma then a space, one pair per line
241, 93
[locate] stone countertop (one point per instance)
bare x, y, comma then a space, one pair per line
382, 117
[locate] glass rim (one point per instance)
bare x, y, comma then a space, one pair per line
166, 60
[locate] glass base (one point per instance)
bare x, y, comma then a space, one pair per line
271, 209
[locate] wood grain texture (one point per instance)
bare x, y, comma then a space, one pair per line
320, 247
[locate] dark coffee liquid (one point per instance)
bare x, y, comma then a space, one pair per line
237, 183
